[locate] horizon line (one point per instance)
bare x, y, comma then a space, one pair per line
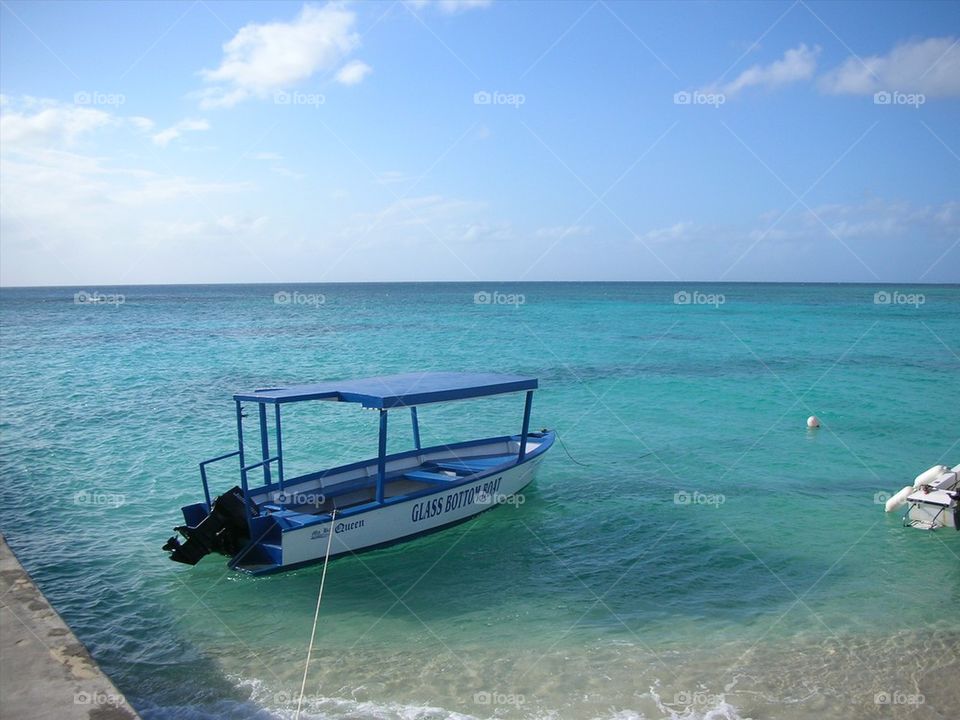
478, 282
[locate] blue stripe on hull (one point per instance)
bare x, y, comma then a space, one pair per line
379, 546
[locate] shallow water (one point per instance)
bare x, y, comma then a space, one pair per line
710, 558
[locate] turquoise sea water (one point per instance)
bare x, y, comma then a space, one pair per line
710, 557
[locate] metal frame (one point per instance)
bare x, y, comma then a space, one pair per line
416, 426
266, 459
527, 406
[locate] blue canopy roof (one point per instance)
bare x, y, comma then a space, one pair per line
397, 390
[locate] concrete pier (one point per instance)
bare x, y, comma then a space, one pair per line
45, 672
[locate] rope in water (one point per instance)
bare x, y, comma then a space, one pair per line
316, 615
563, 445
572, 458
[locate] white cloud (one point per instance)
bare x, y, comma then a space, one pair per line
287, 172
392, 177
930, 66
142, 124
797, 64
875, 220
411, 222
872, 220
682, 230
51, 123
895, 240
482, 233
27, 121
353, 72
557, 232
163, 137
265, 57
426, 210
450, 7
67, 214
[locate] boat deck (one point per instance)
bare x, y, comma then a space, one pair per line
431, 474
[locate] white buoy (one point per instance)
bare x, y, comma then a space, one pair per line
813, 422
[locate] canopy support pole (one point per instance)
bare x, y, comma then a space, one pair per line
243, 465
382, 456
416, 426
526, 425
264, 443
279, 446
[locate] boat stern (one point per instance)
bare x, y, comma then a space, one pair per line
223, 529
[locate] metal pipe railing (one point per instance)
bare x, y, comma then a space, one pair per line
203, 473
248, 468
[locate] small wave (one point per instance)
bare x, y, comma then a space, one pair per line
696, 706
283, 705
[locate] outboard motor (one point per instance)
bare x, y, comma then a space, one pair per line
223, 530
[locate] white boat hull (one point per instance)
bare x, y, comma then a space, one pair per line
935, 504
388, 524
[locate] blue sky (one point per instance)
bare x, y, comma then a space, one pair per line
277, 142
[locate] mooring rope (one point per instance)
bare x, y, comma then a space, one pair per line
572, 458
316, 615
563, 445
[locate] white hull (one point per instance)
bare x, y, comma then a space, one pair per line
391, 523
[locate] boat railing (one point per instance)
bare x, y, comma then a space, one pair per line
203, 473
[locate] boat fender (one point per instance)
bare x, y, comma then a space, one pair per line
928, 476
899, 499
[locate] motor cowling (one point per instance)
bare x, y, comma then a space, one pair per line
224, 530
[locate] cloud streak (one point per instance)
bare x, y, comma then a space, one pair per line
797, 64
164, 137
48, 122
930, 66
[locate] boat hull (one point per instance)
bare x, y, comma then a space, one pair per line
396, 522
935, 504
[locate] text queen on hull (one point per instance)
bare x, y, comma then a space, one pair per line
286, 522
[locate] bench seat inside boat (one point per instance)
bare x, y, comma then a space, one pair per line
471, 466
429, 477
